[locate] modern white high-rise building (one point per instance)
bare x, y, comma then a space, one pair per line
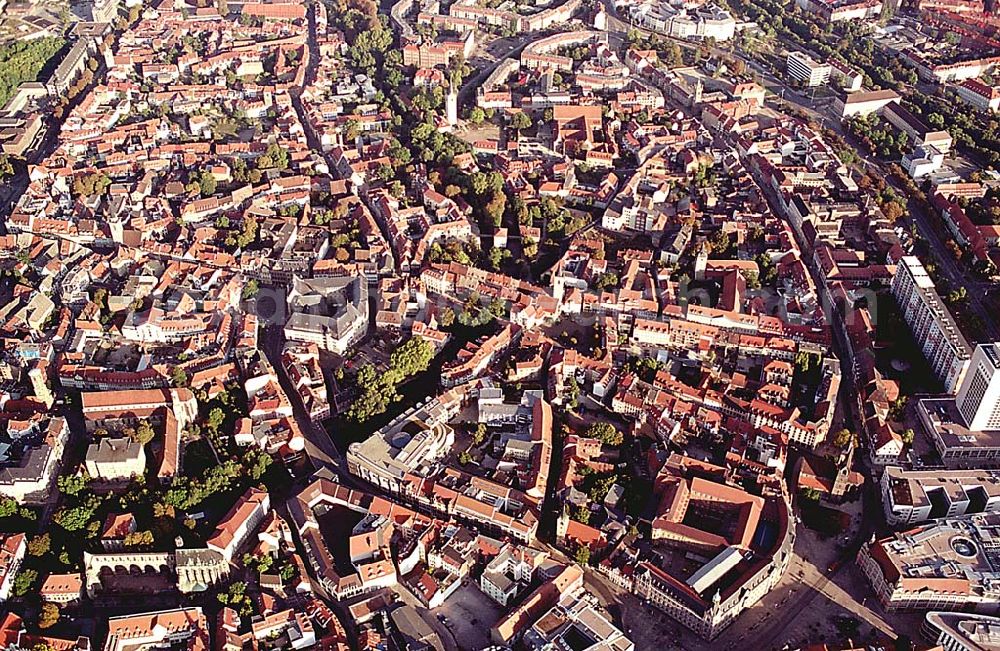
978, 396
101, 11
933, 327
802, 67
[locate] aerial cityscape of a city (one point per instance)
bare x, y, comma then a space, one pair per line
507, 325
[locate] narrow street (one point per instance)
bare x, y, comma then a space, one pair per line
319, 445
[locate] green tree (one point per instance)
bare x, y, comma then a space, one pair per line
907, 436
605, 433
8, 507
143, 433
75, 518
810, 494
582, 555
24, 581
236, 597
288, 572
520, 121
257, 462
215, 418
251, 289
48, 616
72, 485
137, 539
606, 280
260, 564
6, 167
572, 393
411, 357
207, 184
496, 257
843, 438
376, 393
40, 545
91, 183
178, 377
582, 514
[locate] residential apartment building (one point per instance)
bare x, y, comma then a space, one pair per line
576, 622
509, 573
980, 95
978, 397
71, 67
918, 132
932, 325
802, 67
956, 444
847, 78
702, 22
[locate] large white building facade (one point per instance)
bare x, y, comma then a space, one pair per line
978, 396
932, 325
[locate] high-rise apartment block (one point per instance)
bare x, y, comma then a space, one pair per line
978, 396
933, 327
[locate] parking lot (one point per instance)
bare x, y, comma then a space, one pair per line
469, 616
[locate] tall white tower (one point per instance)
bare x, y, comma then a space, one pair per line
451, 106
978, 396
601, 20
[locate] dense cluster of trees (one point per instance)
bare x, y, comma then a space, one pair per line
22, 61
850, 42
973, 130
605, 433
244, 237
878, 137
669, 53
376, 392
451, 251
189, 492
243, 174
645, 367
90, 184
983, 212
275, 157
475, 314
202, 181
236, 597
557, 219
